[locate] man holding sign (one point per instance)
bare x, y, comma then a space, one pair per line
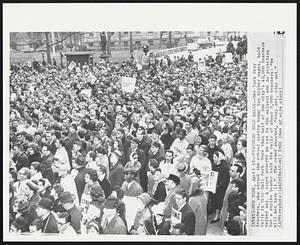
128, 84
187, 215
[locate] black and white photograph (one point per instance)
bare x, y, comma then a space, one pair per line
143, 133
111, 131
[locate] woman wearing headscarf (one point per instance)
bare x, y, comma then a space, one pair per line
222, 183
198, 202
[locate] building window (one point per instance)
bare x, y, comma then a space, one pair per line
150, 42
150, 33
126, 44
125, 32
91, 34
137, 32
91, 44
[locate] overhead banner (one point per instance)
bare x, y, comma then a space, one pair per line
71, 65
128, 84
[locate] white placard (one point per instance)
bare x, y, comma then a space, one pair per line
87, 92
139, 66
91, 78
71, 65
212, 181
175, 216
131, 209
201, 66
128, 84
228, 58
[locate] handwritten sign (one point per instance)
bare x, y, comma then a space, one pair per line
128, 84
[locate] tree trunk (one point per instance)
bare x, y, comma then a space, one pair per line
48, 48
170, 39
108, 43
130, 43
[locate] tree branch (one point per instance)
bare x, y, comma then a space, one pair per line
51, 44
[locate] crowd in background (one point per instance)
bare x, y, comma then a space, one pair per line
75, 155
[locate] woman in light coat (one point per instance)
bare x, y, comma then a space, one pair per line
198, 202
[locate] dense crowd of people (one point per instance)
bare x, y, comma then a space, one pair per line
76, 157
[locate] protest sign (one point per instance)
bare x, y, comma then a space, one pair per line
91, 78
128, 84
212, 181
71, 65
131, 209
228, 58
87, 92
201, 66
139, 66
78, 70
175, 216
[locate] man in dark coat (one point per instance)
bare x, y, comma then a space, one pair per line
116, 172
142, 159
46, 164
80, 176
103, 181
67, 200
43, 211
187, 214
212, 147
20, 158
154, 152
33, 199
112, 224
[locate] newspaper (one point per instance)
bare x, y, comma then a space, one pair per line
271, 93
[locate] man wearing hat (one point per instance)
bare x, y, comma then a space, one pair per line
172, 187
111, 221
130, 187
162, 226
44, 212
33, 198
185, 180
68, 203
